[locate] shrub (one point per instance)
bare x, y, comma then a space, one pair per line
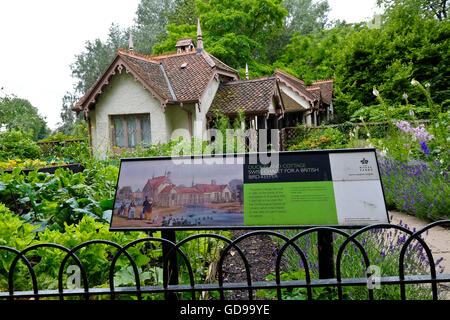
329, 138
16, 144
382, 248
418, 188
53, 200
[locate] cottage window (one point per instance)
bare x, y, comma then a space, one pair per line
130, 130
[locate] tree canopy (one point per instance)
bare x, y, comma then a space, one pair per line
296, 35
19, 114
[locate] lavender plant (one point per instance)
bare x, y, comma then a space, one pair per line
382, 247
418, 188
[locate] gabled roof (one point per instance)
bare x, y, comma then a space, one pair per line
210, 187
180, 189
315, 91
251, 96
154, 183
295, 84
326, 90
184, 42
171, 78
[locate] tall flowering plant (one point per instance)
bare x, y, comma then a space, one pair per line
408, 140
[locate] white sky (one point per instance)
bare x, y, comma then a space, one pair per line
39, 40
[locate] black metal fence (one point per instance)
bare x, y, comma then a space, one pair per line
330, 268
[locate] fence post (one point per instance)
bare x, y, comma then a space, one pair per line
326, 256
172, 263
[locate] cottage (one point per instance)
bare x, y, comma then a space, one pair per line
153, 98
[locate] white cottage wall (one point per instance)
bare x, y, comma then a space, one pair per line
122, 96
200, 116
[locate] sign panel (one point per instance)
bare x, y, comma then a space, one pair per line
329, 187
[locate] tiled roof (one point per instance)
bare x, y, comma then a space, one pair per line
188, 83
184, 42
315, 91
156, 182
251, 96
167, 189
326, 90
295, 83
164, 75
151, 72
210, 187
187, 190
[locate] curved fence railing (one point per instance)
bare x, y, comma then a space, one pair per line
171, 288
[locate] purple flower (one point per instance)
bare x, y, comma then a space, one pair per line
424, 147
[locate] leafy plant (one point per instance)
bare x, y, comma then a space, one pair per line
329, 138
17, 144
50, 200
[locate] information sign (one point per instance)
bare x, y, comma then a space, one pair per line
286, 189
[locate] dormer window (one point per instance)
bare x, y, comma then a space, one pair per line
185, 45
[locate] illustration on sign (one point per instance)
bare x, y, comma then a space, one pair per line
162, 194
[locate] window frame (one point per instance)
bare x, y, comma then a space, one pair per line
124, 118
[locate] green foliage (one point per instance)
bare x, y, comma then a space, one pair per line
16, 144
382, 249
417, 188
95, 258
312, 139
91, 63
407, 45
237, 31
64, 148
230, 137
175, 32
312, 57
52, 200
19, 115
376, 113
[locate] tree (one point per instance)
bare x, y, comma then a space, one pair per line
19, 114
436, 8
306, 16
410, 44
91, 63
68, 117
238, 31
175, 32
312, 57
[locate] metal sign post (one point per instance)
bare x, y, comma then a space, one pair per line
172, 263
326, 256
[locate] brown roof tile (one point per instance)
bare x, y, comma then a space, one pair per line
326, 90
152, 73
315, 91
251, 96
164, 75
188, 83
295, 83
184, 42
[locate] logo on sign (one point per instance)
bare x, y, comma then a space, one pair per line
365, 167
